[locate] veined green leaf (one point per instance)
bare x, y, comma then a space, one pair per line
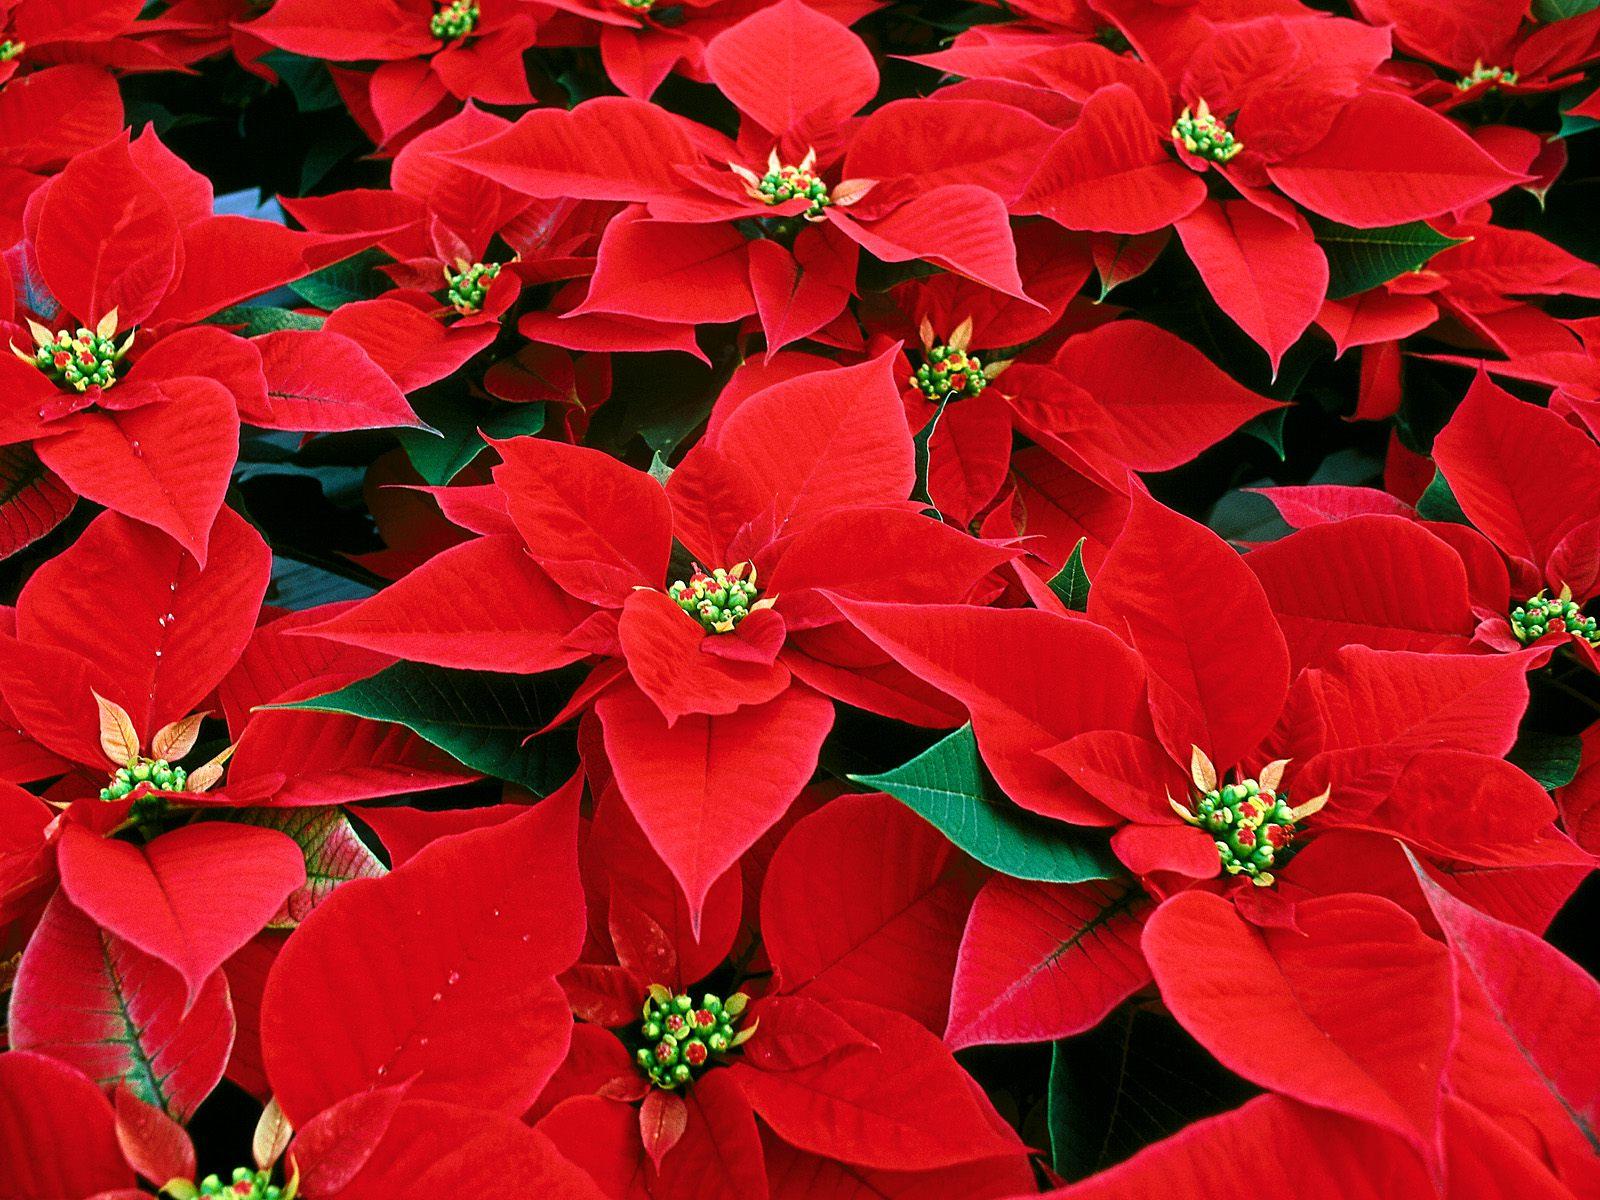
949, 787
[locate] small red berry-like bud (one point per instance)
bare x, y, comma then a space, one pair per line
704, 1019
694, 1054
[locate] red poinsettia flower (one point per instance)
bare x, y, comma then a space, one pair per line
859, 911
643, 41
427, 53
716, 682
1484, 47
1222, 128
120, 392
1088, 405
910, 182
456, 235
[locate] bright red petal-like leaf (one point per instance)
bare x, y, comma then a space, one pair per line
1111, 173
333, 1146
792, 69
1526, 995
1203, 625
1520, 473
673, 661
115, 1013
190, 897
718, 1156
156, 1145
598, 527
443, 970
413, 348
1388, 160
1041, 961
166, 464
1359, 1000
1267, 274
1307, 1154
905, 1105
107, 239
798, 293
859, 902
321, 382
1359, 581
482, 605
703, 790
57, 1132
826, 440
1167, 400
1369, 711
433, 1149
960, 227
1029, 680
608, 148
665, 271
133, 600
797, 1175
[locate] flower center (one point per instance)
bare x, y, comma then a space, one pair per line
951, 372
468, 285
1203, 134
159, 774
455, 20
78, 360
1253, 826
1544, 614
681, 1041
720, 600
246, 1185
10, 49
642, 6
1482, 74
1251, 822
788, 182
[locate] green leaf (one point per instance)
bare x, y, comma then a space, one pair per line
1562, 10
478, 718
439, 459
1267, 428
1438, 502
1551, 758
257, 319
334, 854
1361, 259
919, 445
948, 786
307, 79
1072, 582
345, 282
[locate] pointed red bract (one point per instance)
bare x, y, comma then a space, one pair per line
1041, 961
1219, 665
861, 902
190, 897
1360, 1003
449, 959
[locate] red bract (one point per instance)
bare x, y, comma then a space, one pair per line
123, 396
722, 678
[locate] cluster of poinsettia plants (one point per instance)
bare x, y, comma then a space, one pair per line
627, 599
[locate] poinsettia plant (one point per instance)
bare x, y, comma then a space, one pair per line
737, 600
